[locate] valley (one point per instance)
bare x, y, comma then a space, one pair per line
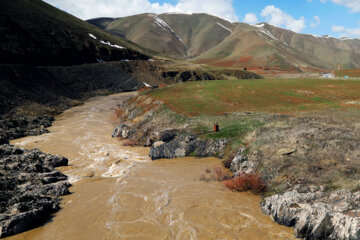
175, 126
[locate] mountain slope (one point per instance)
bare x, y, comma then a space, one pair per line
47, 59
177, 35
212, 40
36, 33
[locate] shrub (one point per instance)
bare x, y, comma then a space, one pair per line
220, 174
215, 174
246, 182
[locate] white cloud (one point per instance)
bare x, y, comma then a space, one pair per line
337, 29
87, 9
279, 18
316, 22
250, 18
354, 5
346, 32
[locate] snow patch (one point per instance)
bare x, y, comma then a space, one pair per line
224, 27
146, 85
266, 32
92, 36
329, 36
163, 25
111, 45
258, 25
315, 36
178, 13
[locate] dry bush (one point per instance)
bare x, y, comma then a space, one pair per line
220, 174
132, 142
215, 174
205, 174
246, 182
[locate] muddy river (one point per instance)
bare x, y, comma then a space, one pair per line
119, 193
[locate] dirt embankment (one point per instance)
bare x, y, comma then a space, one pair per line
310, 163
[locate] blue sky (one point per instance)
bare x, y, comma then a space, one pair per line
329, 13
339, 18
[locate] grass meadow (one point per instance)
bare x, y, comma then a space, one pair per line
285, 96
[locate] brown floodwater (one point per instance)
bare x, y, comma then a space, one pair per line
119, 193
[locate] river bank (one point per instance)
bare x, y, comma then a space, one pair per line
119, 193
309, 162
30, 188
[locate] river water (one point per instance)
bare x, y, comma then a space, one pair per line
119, 193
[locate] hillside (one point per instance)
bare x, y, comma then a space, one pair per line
33, 32
203, 38
176, 35
49, 60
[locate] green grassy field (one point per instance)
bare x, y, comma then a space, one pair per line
288, 96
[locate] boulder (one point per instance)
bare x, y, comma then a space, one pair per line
187, 144
123, 131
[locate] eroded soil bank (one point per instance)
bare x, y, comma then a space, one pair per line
119, 193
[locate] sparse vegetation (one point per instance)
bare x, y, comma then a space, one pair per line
306, 144
246, 182
259, 95
216, 174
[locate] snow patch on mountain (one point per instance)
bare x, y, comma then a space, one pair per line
92, 36
163, 25
264, 31
111, 45
224, 27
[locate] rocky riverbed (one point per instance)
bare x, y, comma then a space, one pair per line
30, 188
310, 163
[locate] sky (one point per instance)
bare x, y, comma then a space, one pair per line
338, 18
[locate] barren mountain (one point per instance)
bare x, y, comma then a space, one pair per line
208, 39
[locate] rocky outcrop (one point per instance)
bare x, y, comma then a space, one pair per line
316, 214
241, 164
188, 76
17, 127
185, 145
123, 131
30, 188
